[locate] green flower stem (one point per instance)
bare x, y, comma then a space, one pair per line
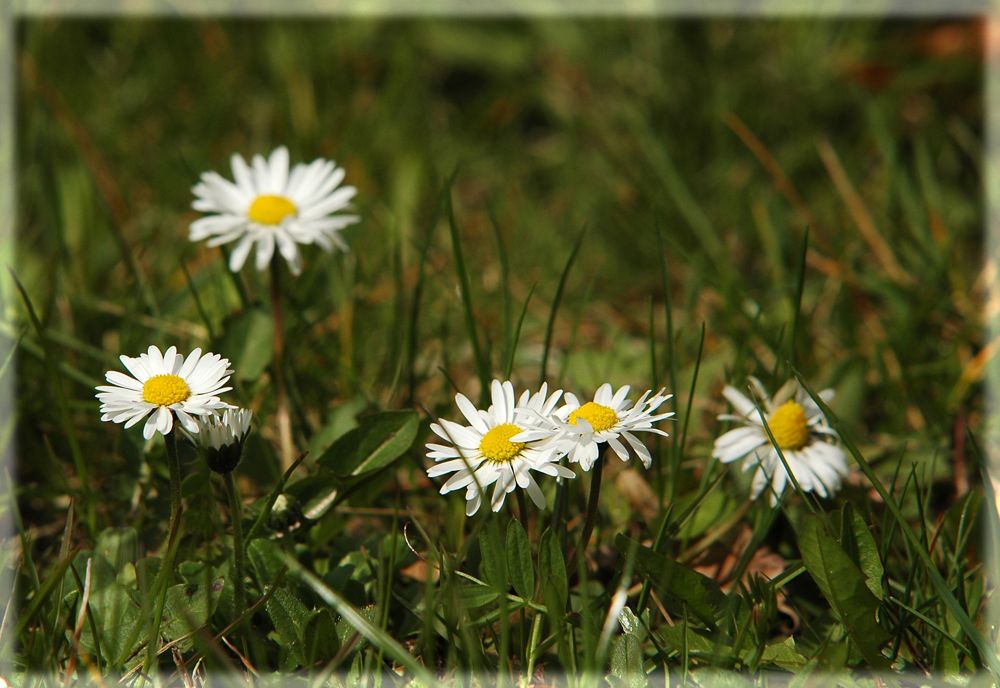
522, 509
239, 557
282, 414
162, 582
588, 526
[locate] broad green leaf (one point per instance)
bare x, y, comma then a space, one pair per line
189, 607
946, 658
702, 594
494, 561
340, 421
321, 640
845, 588
858, 542
248, 342
626, 662
378, 440
477, 595
783, 655
289, 617
265, 559
552, 573
519, 566
345, 630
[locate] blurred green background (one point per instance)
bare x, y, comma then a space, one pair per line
730, 136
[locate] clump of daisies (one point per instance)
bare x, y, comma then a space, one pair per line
508, 441
800, 430
270, 206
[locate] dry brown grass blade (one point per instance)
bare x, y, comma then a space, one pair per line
780, 179
859, 213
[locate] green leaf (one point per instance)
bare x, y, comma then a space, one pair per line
494, 563
626, 662
289, 617
845, 588
345, 629
702, 594
188, 607
248, 342
379, 439
946, 658
320, 636
266, 560
858, 542
783, 655
477, 595
519, 566
552, 572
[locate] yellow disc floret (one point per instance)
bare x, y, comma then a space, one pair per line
496, 445
789, 426
271, 210
599, 417
164, 390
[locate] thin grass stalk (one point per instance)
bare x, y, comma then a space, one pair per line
596, 473
799, 288
555, 304
69, 427
286, 447
162, 582
986, 652
482, 365
239, 555
517, 334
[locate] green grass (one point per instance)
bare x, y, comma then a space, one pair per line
592, 201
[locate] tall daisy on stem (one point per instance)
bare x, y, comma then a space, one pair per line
269, 206
169, 389
578, 429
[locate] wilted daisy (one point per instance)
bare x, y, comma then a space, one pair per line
577, 429
165, 385
492, 450
800, 431
223, 438
269, 206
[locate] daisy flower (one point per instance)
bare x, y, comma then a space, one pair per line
577, 429
223, 438
801, 432
164, 386
268, 206
492, 449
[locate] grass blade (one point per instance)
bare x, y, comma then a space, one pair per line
517, 334
375, 636
555, 304
482, 365
55, 382
947, 597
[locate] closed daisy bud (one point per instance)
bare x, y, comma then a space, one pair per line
223, 438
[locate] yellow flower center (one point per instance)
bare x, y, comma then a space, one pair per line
599, 417
789, 426
271, 210
164, 390
496, 445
